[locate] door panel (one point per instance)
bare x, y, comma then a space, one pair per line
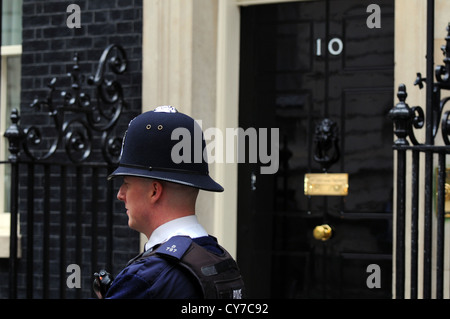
290, 79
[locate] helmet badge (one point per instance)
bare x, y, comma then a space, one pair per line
165, 109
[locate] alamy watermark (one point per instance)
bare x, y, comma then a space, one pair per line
374, 279
228, 147
74, 19
74, 278
374, 19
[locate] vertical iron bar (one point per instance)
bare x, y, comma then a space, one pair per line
30, 230
440, 227
428, 225
400, 226
62, 233
79, 219
430, 73
429, 155
13, 229
94, 221
109, 220
46, 233
414, 222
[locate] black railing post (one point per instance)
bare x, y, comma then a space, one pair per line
440, 227
428, 155
402, 116
400, 226
414, 223
14, 134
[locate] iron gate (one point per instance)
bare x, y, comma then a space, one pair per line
406, 119
61, 205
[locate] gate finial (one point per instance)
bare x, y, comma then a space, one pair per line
401, 115
15, 135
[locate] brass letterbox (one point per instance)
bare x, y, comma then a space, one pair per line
326, 184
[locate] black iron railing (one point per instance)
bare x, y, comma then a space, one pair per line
59, 195
406, 119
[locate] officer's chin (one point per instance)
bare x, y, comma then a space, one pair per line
130, 221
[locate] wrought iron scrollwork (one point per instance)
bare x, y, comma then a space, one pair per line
407, 119
76, 117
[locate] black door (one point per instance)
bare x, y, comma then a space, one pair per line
301, 63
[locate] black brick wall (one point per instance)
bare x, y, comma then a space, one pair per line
48, 50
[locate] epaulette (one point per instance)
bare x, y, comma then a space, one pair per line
175, 247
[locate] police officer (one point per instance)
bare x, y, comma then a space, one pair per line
161, 181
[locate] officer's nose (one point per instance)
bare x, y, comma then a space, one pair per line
121, 193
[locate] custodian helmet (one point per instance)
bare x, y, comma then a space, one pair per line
151, 149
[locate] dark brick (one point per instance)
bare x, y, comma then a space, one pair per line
55, 32
38, 45
28, 9
101, 16
57, 7
125, 27
103, 5
39, 21
101, 29
125, 3
81, 42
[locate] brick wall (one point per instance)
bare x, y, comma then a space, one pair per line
49, 47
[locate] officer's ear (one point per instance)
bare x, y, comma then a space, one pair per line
156, 189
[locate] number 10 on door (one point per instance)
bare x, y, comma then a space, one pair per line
335, 46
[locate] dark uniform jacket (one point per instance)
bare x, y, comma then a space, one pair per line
157, 277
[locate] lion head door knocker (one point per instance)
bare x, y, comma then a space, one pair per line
326, 144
